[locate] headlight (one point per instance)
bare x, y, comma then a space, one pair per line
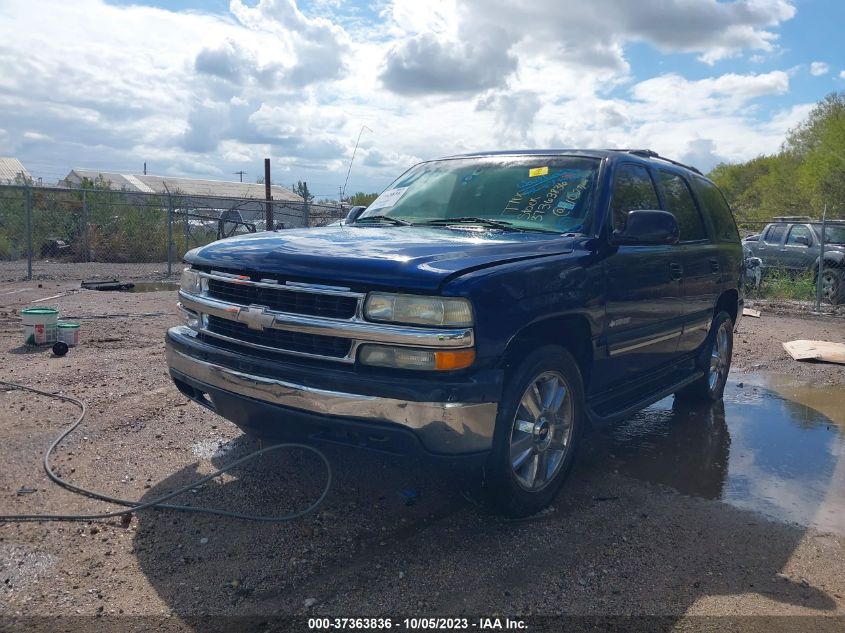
412, 358
191, 282
417, 310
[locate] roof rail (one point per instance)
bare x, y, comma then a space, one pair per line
792, 218
650, 153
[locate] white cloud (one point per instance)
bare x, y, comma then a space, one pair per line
842, 74
99, 85
817, 69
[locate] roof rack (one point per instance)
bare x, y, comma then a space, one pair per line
650, 153
792, 218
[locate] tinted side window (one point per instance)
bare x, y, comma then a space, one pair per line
799, 230
632, 189
775, 234
715, 204
680, 203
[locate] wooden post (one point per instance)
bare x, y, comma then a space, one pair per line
268, 204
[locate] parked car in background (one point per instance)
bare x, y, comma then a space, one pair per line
793, 244
487, 306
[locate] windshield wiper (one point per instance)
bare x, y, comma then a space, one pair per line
499, 224
488, 222
383, 218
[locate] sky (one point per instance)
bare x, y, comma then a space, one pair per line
208, 88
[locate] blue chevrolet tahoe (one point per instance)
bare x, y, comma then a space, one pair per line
493, 305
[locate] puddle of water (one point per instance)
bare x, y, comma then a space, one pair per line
153, 286
771, 446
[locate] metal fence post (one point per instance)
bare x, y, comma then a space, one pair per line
29, 232
820, 270
86, 229
187, 230
169, 236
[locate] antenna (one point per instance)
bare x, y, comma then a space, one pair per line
240, 173
343, 191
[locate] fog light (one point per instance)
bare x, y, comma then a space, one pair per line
412, 358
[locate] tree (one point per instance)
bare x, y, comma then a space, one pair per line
804, 176
362, 199
301, 189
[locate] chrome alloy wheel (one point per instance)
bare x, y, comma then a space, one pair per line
828, 285
542, 431
719, 356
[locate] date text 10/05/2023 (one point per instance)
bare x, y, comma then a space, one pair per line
418, 624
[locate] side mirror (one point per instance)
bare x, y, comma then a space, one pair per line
648, 227
353, 214
802, 239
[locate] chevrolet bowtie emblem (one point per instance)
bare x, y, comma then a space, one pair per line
255, 317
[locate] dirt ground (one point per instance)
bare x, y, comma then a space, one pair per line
634, 531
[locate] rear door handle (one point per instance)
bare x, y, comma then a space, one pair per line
714, 265
676, 272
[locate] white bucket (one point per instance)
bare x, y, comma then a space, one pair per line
69, 333
40, 325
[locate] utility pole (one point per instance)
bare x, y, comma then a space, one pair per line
145, 168
240, 173
269, 205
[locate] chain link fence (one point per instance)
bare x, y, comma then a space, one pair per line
798, 264
74, 234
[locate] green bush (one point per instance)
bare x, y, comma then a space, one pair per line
778, 284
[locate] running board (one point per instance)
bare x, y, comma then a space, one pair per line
596, 419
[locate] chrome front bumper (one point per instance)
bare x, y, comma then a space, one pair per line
448, 428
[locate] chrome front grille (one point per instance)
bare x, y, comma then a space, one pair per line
281, 340
284, 299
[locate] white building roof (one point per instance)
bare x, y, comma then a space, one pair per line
188, 186
10, 169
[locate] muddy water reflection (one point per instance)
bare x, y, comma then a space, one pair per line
771, 446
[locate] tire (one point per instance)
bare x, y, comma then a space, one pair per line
525, 441
715, 360
833, 285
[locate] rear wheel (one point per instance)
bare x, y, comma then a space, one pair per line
537, 431
715, 360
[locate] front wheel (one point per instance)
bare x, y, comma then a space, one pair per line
537, 431
715, 360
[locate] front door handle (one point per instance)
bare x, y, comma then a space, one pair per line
676, 272
714, 265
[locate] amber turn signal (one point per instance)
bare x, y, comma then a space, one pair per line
457, 359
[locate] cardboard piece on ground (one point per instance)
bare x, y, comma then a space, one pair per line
751, 312
816, 350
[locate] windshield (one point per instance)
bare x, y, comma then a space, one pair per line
552, 193
834, 234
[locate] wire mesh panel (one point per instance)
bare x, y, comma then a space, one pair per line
14, 233
99, 232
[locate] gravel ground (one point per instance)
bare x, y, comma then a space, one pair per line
614, 543
60, 270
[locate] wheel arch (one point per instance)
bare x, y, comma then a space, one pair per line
571, 331
729, 302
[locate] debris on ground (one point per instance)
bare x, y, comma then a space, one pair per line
112, 284
751, 312
816, 350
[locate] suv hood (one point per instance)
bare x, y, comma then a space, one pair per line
414, 258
